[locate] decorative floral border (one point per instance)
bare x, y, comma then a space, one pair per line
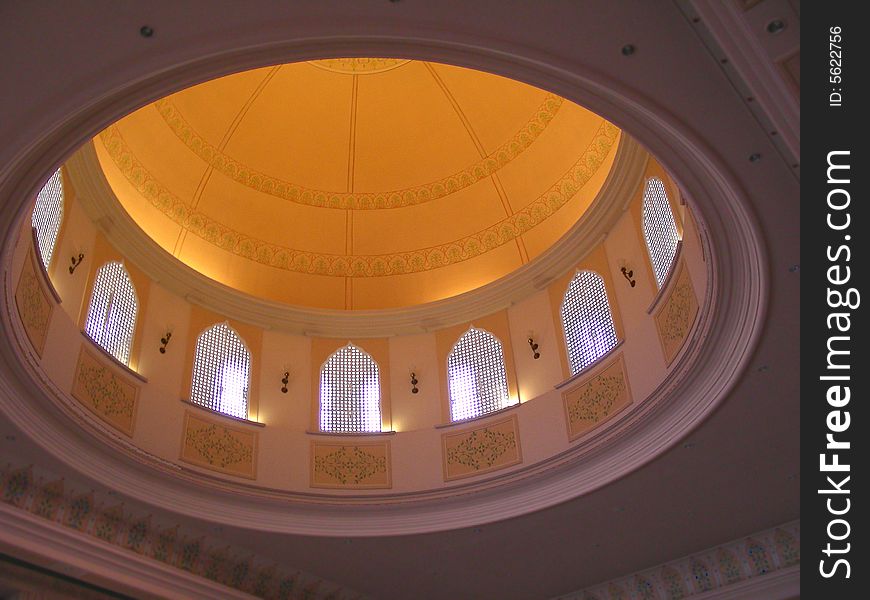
58, 500
358, 66
286, 190
362, 265
716, 568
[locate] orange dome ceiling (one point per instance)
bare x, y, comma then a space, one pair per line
357, 183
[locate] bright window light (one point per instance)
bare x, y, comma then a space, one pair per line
350, 392
221, 372
587, 320
112, 312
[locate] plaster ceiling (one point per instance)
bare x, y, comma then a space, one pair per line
359, 183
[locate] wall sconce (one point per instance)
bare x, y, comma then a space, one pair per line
76, 261
629, 275
534, 348
414, 383
285, 380
165, 340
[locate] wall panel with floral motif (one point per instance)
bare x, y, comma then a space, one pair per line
677, 313
34, 304
355, 466
481, 449
105, 391
219, 447
596, 398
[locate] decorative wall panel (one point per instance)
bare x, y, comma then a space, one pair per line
677, 313
104, 391
34, 304
596, 398
219, 447
350, 466
482, 449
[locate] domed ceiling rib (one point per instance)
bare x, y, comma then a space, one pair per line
231, 129
524, 258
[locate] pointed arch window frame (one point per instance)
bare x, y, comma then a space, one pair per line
506, 401
218, 375
616, 339
98, 327
663, 231
364, 414
46, 218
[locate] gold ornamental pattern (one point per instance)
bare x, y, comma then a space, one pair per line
358, 66
286, 190
372, 265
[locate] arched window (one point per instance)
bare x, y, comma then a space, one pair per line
47, 215
587, 320
476, 376
659, 228
221, 371
350, 392
112, 312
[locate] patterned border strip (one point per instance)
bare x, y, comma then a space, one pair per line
358, 66
244, 175
55, 499
374, 265
716, 568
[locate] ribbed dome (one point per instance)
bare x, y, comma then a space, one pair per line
357, 183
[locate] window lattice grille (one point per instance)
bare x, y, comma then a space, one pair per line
476, 376
221, 372
659, 229
112, 312
350, 392
47, 215
587, 320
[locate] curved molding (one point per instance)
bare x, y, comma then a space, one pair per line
81, 553
99, 201
729, 325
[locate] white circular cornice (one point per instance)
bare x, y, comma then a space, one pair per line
730, 319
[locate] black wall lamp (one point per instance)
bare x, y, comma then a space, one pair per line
76, 261
534, 346
414, 382
629, 276
164, 341
285, 380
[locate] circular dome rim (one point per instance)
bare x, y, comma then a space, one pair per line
729, 332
